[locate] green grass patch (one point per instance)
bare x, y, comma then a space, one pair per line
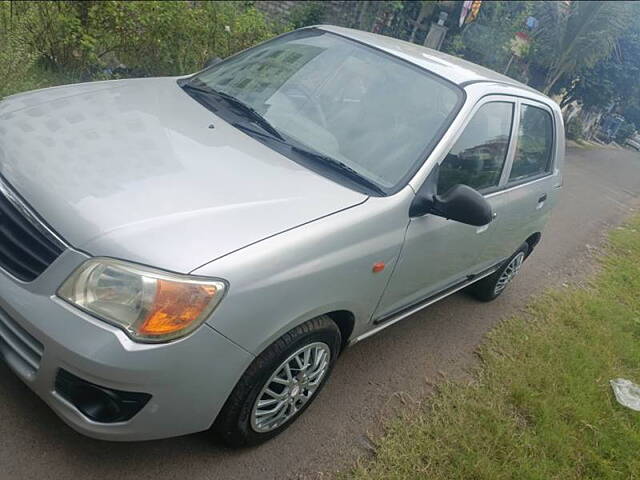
540, 405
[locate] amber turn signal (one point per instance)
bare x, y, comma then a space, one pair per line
175, 306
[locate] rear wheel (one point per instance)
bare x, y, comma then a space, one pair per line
280, 384
491, 287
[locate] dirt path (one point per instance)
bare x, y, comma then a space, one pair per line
601, 187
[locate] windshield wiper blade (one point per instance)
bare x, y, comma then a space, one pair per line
248, 110
260, 132
339, 166
273, 134
251, 112
206, 91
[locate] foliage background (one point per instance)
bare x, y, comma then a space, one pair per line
49, 42
587, 53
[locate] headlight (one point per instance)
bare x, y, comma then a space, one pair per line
148, 304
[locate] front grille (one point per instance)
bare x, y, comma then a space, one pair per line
18, 347
25, 250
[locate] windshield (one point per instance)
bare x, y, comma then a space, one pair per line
370, 111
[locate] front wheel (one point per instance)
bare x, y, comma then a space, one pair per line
280, 384
491, 287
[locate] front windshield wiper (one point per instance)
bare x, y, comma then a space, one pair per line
195, 88
272, 133
248, 110
339, 166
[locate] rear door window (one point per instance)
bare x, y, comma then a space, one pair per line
478, 157
533, 155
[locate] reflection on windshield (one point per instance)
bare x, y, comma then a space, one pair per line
368, 110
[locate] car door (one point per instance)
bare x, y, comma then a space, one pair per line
530, 182
438, 253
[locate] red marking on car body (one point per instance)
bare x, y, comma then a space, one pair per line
378, 267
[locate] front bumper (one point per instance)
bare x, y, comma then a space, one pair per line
188, 380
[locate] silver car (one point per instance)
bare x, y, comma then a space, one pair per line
184, 254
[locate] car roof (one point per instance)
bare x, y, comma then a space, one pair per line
454, 69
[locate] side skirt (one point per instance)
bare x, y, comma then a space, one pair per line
389, 320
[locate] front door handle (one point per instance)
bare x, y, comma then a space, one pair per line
541, 201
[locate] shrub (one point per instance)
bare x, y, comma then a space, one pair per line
15, 56
307, 13
575, 129
625, 131
91, 39
172, 38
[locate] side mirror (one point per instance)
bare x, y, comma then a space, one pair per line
461, 203
212, 61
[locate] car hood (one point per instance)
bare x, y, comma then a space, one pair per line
137, 169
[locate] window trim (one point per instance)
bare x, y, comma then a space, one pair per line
552, 160
509, 188
490, 98
504, 186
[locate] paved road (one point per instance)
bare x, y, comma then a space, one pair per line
370, 379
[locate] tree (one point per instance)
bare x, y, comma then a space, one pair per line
85, 39
613, 80
15, 56
307, 13
574, 36
487, 41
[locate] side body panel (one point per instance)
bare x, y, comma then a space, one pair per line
325, 266
436, 254
518, 212
439, 253
317, 268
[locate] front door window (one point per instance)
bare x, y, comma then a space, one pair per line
478, 157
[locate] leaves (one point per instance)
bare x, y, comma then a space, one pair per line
487, 40
15, 55
89, 39
574, 36
584, 49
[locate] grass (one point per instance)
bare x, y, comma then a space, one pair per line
540, 405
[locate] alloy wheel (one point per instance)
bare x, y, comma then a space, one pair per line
291, 386
511, 271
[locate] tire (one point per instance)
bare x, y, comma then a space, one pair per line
238, 424
491, 287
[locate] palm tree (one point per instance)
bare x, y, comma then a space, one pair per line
577, 34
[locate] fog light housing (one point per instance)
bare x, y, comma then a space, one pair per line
98, 403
